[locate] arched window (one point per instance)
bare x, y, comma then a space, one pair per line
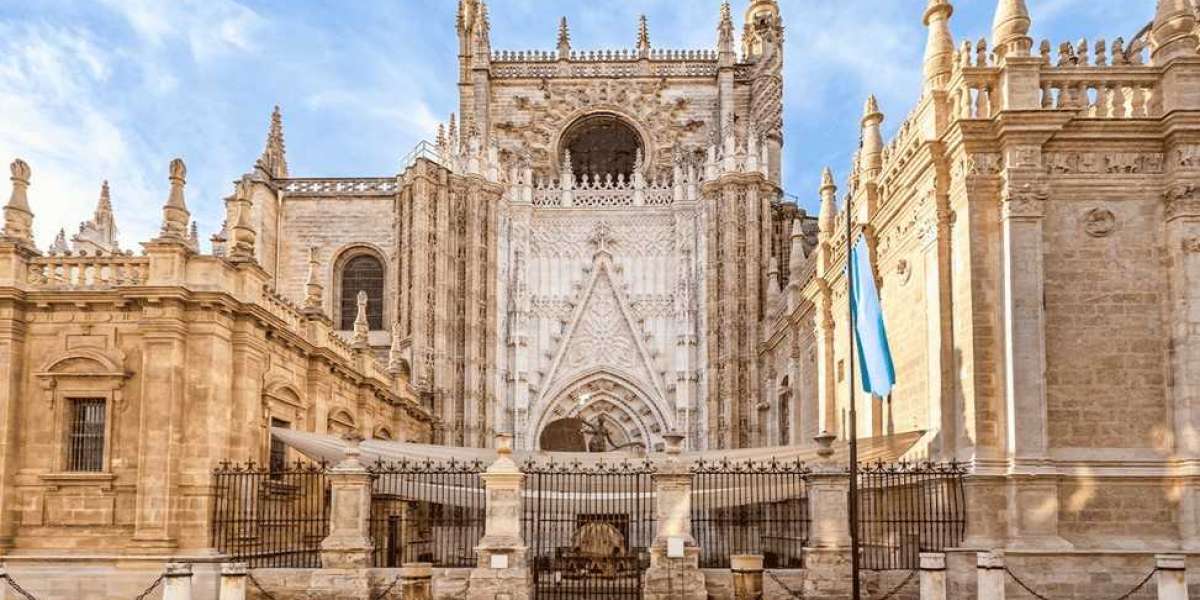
602, 144
362, 273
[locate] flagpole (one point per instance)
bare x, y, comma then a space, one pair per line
856, 592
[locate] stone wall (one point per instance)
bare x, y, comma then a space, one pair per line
99, 579
334, 584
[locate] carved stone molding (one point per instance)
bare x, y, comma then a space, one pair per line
1025, 200
1191, 245
1188, 156
1116, 163
1182, 200
1099, 222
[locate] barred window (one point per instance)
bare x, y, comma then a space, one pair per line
362, 273
85, 443
277, 461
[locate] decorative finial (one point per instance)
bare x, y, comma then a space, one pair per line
18, 219
828, 193
244, 237
564, 40
643, 37
939, 45
1010, 29
872, 138
273, 161
395, 356
314, 292
1173, 33
175, 212
361, 327
725, 34
194, 236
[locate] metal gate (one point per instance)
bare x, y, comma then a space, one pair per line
589, 528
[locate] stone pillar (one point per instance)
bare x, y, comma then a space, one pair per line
348, 545
1172, 576
674, 572
233, 581
990, 575
501, 553
747, 572
416, 581
177, 582
1182, 207
933, 576
827, 557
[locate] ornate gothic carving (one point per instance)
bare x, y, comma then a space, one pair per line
1126, 163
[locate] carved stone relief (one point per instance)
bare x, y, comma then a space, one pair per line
1099, 222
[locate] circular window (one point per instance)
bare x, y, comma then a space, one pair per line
601, 145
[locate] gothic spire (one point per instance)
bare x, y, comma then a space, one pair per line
1173, 33
175, 212
564, 39
643, 37
1010, 29
100, 233
828, 198
725, 32
939, 46
104, 205
273, 161
872, 138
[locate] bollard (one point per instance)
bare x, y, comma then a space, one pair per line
417, 581
233, 581
747, 572
177, 582
933, 576
990, 573
1172, 576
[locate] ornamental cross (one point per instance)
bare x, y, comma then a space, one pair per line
602, 237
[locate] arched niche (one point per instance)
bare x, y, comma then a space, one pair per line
602, 143
361, 266
83, 374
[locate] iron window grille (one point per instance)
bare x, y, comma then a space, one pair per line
85, 440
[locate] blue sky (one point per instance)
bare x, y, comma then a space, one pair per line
113, 89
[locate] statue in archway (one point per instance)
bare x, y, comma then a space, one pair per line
575, 434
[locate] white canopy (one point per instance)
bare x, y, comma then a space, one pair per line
613, 495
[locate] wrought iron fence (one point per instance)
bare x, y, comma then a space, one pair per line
271, 518
589, 528
908, 508
746, 507
426, 511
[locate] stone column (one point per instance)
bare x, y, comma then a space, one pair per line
501, 552
674, 572
233, 581
990, 575
177, 582
1172, 576
416, 581
933, 576
348, 545
827, 557
747, 572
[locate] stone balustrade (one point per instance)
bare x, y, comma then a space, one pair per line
340, 186
282, 308
81, 271
1102, 93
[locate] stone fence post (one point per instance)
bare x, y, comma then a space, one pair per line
827, 556
177, 582
674, 572
747, 570
348, 545
501, 566
933, 576
1172, 576
417, 581
990, 575
233, 581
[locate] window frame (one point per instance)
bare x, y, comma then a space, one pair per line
344, 258
103, 379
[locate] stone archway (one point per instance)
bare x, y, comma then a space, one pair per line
627, 413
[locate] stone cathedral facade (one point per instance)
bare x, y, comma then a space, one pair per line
602, 235
569, 246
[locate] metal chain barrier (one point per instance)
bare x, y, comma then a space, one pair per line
150, 589
896, 590
387, 590
16, 587
259, 587
790, 591
1137, 588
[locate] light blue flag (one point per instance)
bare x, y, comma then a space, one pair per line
870, 336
